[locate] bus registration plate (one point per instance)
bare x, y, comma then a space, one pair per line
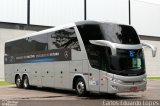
133, 89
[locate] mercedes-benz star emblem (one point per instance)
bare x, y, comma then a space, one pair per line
66, 54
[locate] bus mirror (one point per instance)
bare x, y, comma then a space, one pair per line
154, 49
105, 43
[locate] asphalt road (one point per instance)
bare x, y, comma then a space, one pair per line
12, 96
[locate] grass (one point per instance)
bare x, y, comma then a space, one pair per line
3, 83
153, 78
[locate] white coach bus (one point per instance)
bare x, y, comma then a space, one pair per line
85, 56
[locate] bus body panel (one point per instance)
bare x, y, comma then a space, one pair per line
103, 81
94, 81
48, 74
86, 72
62, 74
10, 72
35, 70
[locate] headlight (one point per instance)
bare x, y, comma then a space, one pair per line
115, 87
117, 81
144, 79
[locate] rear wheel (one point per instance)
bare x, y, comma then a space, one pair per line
81, 87
26, 82
18, 82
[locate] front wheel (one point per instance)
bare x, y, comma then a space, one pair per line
81, 87
26, 82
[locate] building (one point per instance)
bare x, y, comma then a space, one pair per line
20, 17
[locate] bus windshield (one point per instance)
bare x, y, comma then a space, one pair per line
127, 62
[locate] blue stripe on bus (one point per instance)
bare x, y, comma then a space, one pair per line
41, 60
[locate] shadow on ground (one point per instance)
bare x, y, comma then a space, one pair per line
90, 96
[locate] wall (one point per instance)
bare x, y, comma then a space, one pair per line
152, 64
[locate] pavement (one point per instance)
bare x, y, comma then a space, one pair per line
12, 96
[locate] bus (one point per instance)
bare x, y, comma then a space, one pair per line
85, 56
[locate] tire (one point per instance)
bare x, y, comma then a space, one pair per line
81, 87
112, 94
26, 82
18, 82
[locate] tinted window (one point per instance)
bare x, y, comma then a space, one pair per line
115, 33
90, 32
65, 38
119, 34
98, 56
55, 40
27, 45
127, 62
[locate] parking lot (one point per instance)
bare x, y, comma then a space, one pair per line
48, 97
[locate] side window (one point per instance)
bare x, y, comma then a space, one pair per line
40, 42
18, 47
65, 38
98, 56
27, 45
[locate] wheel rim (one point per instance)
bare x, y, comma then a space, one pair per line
25, 83
80, 87
18, 81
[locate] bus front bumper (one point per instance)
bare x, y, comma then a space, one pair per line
115, 87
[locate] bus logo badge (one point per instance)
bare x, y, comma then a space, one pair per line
131, 53
66, 54
11, 59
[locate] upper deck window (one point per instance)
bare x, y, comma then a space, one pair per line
116, 33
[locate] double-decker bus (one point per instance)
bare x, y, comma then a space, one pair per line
86, 56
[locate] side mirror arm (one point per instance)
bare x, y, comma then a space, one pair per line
105, 43
154, 49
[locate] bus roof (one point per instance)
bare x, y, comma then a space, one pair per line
44, 31
96, 22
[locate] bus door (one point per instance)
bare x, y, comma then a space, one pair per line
94, 72
98, 70
94, 79
104, 67
103, 81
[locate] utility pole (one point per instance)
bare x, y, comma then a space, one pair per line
28, 12
129, 6
85, 9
